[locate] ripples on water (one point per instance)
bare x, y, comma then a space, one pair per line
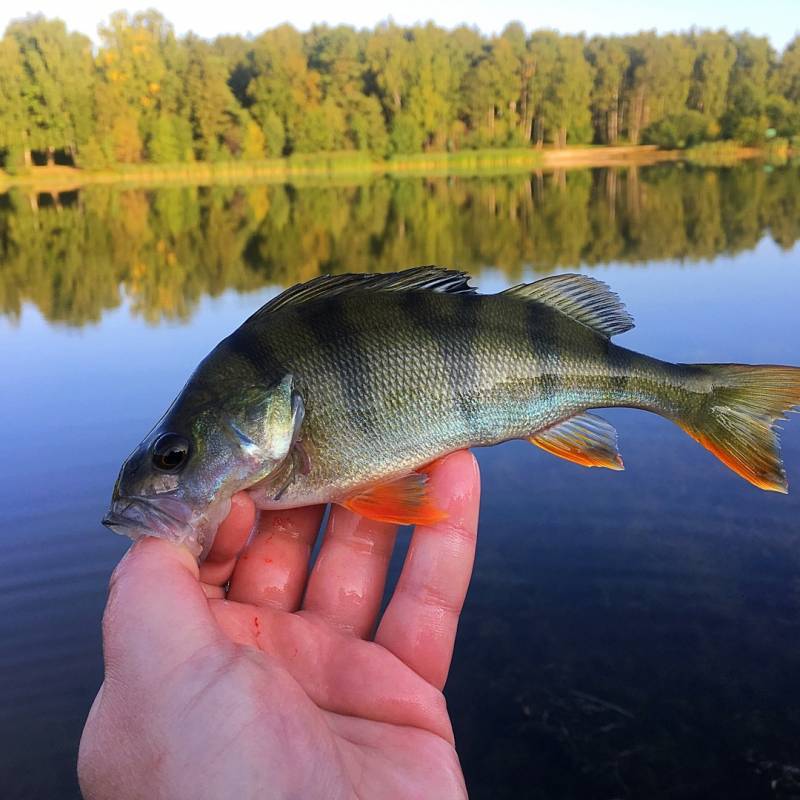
626, 635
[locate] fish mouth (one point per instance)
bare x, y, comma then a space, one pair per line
137, 515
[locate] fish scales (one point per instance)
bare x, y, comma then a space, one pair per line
345, 388
456, 370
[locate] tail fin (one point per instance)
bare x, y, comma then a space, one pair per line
738, 418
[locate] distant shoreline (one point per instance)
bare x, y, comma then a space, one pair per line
465, 162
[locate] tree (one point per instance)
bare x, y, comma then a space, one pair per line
171, 140
337, 55
433, 86
274, 133
56, 85
135, 83
745, 114
543, 50
284, 84
609, 58
659, 79
253, 141
562, 80
149, 95
14, 139
490, 92
235, 52
389, 59
212, 107
522, 73
570, 92
788, 72
684, 129
784, 113
715, 56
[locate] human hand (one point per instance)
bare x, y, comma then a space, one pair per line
283, 688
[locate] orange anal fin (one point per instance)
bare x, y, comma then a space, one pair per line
585, 439
404, 501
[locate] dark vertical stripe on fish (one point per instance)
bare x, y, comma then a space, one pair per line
619, 366
330, 328
542, 338
259, 354
460, 365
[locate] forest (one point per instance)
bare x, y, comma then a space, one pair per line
145, 95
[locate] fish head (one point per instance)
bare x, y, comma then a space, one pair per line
178, 483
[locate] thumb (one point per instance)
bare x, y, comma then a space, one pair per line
157, 613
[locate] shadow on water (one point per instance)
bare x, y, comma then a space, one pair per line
632, 635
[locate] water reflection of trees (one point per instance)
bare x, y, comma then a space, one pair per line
167, 248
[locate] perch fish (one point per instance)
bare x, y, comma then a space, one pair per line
342, 390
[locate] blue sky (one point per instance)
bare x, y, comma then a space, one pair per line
778, 19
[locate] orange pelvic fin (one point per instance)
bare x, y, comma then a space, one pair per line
404, 501
585, 439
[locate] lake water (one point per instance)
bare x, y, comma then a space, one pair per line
627, 635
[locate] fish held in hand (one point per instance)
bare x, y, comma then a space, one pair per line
344, 388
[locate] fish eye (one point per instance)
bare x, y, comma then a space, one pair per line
170, 452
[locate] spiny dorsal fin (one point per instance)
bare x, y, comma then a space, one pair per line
584, 439
580, 297
417, 279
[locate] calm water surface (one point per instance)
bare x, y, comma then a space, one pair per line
627, 635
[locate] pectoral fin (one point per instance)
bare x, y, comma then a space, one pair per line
585, 439
404, 501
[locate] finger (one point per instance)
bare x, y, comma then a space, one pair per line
273, 569
346, 586
419, 625
156, 613
231, 537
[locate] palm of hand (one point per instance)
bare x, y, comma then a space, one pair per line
248, 694
341, 713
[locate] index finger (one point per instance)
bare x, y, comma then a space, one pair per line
231, 538
419, 624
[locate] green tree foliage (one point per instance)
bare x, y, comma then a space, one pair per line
283, 84
543, 47
55, 74
570, 93
660, 76
490, 91
609, 58
745, 114
213, 111
679, 130
171, 140
14, 142
715, 55
147, 95
388, 57
788, 73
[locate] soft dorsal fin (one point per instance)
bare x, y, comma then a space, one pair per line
417, 279
580, 297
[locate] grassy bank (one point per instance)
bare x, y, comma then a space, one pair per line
348, 165
720, 154
297, 167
